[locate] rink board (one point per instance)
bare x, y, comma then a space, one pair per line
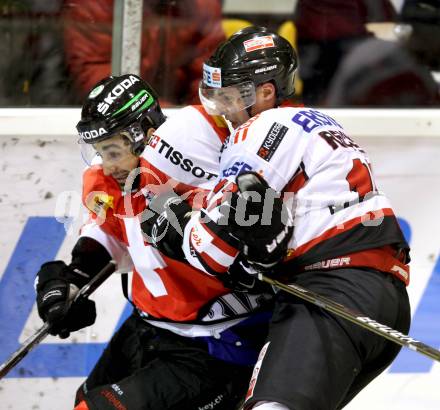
37, 170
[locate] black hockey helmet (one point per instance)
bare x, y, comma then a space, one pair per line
117, 104
253, 54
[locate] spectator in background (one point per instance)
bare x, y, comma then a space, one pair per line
177, 36
423, 41
379, 73
326, 31
32, 69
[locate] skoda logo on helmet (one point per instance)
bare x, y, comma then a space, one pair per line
116, 92
92, 134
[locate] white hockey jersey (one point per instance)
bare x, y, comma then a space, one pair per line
340, 216
184, 154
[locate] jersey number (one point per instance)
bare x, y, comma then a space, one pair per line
360, 179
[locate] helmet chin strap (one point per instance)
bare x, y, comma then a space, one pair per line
138, 149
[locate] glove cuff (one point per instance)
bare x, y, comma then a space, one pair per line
58, 270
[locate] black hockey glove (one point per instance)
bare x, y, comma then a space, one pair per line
263, 242
242, 277
163, 223
56, 286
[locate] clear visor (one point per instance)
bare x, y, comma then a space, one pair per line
227, 100
110, 151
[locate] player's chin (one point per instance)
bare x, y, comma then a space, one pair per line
235, 119
120, 177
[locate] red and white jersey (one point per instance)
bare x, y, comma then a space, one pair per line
184, 152
340, 216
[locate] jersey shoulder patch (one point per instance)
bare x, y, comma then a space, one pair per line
99, 194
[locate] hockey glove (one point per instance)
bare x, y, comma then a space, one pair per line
56, 286
163, 223
242, 277
261, 222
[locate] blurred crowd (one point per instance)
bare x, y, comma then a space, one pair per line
353, 53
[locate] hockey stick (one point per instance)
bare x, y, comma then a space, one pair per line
40, 334
355, 317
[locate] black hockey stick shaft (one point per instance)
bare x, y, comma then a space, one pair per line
355, 317
41, 333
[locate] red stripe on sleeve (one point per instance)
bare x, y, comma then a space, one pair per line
296, 184
214, 266
221, 244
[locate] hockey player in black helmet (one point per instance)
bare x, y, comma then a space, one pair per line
117, 118
252, 61
344, 230
182, 347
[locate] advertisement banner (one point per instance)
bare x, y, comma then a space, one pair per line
40, 217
